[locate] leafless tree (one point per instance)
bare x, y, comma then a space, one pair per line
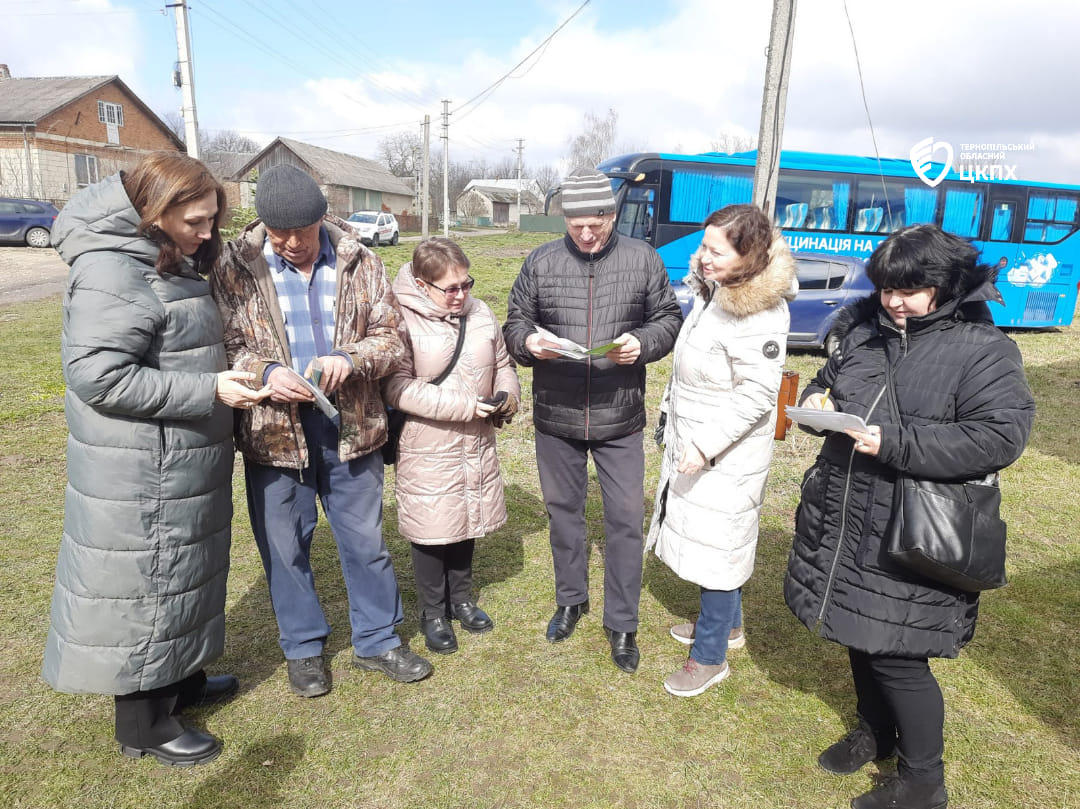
731, 142
471, 205
400, 152
593, 144
227, 140
547, 177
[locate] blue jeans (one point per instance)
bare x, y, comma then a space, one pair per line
281, 503
721, 611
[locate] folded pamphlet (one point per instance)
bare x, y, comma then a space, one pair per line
570, 349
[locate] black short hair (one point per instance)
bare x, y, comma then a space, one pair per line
921, 256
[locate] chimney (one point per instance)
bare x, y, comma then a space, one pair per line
4, 72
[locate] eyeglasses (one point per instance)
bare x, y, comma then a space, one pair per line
453, 292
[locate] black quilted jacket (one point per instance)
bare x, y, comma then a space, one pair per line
592, 300
967, 411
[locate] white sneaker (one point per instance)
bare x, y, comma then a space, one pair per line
684, 633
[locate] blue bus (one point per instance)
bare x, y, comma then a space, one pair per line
845, 206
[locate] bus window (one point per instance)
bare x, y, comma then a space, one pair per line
1002, 218
812, 203
963, 211
1051, 216
637, 214
882, 207
696, 194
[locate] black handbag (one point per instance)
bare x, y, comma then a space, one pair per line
949, 532
395, 419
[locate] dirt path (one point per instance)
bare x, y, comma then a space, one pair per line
28, 273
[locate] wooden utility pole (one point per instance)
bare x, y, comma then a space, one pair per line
187, 79
425, 197
446, 166
774, 100
520, 151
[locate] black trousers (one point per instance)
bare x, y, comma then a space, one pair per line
147, 718
899, 698
564, 480
443, 576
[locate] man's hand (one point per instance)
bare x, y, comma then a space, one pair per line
285, 386
628, 351
534, 345
335, 370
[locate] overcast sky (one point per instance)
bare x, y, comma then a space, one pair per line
678, 73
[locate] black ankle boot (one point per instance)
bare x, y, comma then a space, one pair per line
901, 794
854, 751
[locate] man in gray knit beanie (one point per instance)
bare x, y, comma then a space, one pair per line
306, 305
596, 288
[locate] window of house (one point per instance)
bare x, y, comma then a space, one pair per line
109, 113
86, 170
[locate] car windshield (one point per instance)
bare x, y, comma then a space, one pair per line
365, 218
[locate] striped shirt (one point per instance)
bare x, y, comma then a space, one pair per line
306, 304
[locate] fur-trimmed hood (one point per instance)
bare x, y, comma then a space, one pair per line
766, 289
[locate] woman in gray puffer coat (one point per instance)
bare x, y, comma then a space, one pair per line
139, 604
449, 490
962, 410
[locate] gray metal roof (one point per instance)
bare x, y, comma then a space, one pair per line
336, 168
501, 194
24, 101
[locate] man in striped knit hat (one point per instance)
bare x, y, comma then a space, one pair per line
596, 288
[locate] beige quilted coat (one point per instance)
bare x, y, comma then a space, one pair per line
448, 484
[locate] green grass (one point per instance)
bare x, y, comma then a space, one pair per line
511, 721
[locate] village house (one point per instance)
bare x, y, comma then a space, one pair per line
350, 183
60, 134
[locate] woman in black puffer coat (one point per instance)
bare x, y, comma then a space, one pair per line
967, 413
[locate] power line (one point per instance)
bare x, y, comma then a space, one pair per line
480, 97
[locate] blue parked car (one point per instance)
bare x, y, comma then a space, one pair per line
826, 283
26, 221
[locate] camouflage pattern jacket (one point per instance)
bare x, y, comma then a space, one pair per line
368, 327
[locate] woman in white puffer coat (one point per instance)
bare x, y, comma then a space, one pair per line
718, 415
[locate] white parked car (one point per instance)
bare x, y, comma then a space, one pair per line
374, 227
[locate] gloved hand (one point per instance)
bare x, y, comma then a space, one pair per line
506, 405
658, 436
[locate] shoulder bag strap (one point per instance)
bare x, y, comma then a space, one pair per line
457, 352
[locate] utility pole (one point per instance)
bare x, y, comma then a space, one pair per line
425, 200
774, 100
520, 151
446, 166
187, 78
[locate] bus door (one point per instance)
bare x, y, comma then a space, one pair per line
637, 213
1003, 224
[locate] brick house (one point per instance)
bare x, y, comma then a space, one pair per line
58, 135
350, 183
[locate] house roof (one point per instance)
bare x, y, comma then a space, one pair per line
27, 101
335, 168
501, 194
507, 184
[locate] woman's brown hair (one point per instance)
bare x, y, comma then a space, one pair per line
161, 181
434, 256
749, 231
